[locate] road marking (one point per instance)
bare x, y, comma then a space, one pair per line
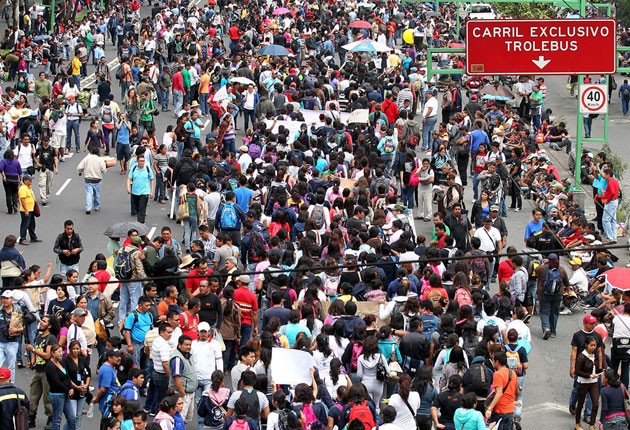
549, 406
113, 65
63, 187
151, 232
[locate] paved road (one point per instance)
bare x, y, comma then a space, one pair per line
547, 385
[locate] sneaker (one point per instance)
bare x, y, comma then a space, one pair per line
36, 240
552, 335
527, 318
571, 410
48, 423
565, 311
517, 210
546, 334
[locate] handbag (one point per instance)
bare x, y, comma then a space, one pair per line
182, 210
394, 367
414, 178
381, 371
493, 393
28, 317
36, 211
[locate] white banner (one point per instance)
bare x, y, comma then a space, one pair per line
291, 366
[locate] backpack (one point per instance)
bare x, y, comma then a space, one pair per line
463, 297
531, 270
435, 296
388, 146
626, 92
229, 219
120, 72
331, 286
107, 116
478, 265
283, 418
429, 326
309, 415
239, 424
123, 267
212, 414
192, 49
469, 344
361, 412
251, 398
318, 216
357, 350
254, 151
258, 248
185, 174
478, 379
31, 132
514, 360
398, 320
553, 285
414, 140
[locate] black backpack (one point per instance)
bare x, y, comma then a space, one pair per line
479, 383
185, 174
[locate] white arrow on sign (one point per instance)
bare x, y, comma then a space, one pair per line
541, 62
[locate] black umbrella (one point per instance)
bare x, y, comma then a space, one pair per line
120, 229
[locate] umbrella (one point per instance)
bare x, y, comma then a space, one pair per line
274, 50
496, 91
242, 80
120, 229
367, 5
618, 277
42, 37
360, 24
281, 11
432, 14
221, 94
456, 45
366, 45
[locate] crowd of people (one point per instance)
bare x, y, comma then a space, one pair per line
297, 234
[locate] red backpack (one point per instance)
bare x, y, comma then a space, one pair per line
361, 412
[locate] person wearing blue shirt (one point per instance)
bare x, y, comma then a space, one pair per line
243, 194
123, 149
477, 137
140, 184
294, 327
137, 325
221, 223
535, 225
107, 378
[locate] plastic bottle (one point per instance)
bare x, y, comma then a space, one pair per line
90, 412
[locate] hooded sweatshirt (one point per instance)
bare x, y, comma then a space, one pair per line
366, 366
468, 419
165, 421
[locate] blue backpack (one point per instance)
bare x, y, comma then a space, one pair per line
229, 219
553, 285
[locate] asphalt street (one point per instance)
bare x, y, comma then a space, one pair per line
547, 385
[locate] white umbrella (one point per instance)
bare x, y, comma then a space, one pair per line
221, 94
242, 80
366, 45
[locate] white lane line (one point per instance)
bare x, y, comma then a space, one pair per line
151, 232
63, 187
113, 65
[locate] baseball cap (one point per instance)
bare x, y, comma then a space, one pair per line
487, 219
243, 148
203, 326
577, 261
589, 319
7, 293
589, 154
27, 178
251, 214
136, 240
5, 373
243, 278
494, 208
79, 312
552, 256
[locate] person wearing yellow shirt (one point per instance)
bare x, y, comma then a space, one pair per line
76, 70
204, 91
26, 198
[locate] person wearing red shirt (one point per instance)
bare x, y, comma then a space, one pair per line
177, 84
248, 303
189, 319
102, 275
195, 276
506, 268
611, 201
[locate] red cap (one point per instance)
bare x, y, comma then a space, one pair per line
589, 319
5, 373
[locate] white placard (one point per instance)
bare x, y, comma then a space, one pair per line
291, 366
594, 98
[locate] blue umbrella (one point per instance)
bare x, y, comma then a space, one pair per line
274, 50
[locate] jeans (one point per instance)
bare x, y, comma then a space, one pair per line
160, 187
588, 124
141, 202
475, 181
229, 354
124, 88
72, 127
549, 311
609, 220
229, 145
27, 224
178, 100
161, 386
107, 132
130, 293
31, 334
139, 357
518, 410
92, 196
190, 231
63, 268
388, 159
407, 196
491, 273
625, 368
507, 421
61, 404
39, 388
202, 385
574, 398
249, 114
427, 129
615, 423
562, 144
625, 101
246, 333
203, 103
163, 97
76, 406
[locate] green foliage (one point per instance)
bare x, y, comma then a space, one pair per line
620, 165
527, 10
622, 9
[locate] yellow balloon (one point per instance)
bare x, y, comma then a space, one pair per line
408, 36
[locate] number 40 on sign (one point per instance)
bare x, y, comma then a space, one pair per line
594, 99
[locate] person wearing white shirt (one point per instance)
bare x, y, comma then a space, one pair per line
490, 238
406, 403
160, 356
319, 203
76, 333
579, 277
206, 356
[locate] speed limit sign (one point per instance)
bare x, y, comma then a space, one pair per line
594, 98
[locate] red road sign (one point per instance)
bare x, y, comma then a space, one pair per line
541, 47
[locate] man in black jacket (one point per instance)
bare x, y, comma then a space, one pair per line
12, 399
68, 247
414, 347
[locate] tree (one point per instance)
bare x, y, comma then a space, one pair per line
527, 10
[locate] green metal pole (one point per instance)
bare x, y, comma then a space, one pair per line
52, 16
580, 125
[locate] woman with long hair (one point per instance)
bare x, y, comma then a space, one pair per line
214, 398
262, 367
62, 303
322, 354
612, 397
587, 368
353, 350
408, 165
309, 320
168, 408
195, 214
423, 385
60, 389
406, 402
366, 368
279, 339
456, 365
281, 411
335, 378
338, 341
132, 106
230, 326
79, 374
